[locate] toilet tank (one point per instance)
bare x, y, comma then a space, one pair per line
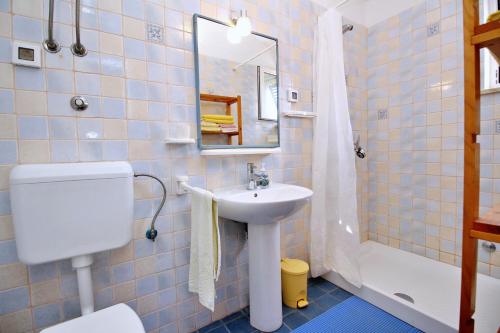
65, 210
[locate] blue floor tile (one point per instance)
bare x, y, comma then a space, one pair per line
232, 317
215, 327
283, 329
241, 325
341, 294
295, 320
315, 291
327, 301
312, 310
287, 310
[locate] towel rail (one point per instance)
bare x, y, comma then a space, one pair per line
183, 187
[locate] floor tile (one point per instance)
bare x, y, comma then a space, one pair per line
312, 310
340, 294
295, 320
325, 285
213, 327
287, 311
283, 329
240, 325
327, 301
315, 291
232, 317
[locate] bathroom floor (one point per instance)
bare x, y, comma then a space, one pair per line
322, 296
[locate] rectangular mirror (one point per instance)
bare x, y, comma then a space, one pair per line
237, 82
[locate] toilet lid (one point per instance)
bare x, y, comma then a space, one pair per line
117, 318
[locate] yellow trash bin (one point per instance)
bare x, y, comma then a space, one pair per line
294, 282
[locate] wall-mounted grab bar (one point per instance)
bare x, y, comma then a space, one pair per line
77, 48
183, 187
50, 44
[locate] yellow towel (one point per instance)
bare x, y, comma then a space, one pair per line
217, 116
208, 129
494, 16
218, 121
209, 124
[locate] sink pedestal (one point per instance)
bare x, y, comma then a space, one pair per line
265, 276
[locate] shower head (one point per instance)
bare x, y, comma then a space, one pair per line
347, 27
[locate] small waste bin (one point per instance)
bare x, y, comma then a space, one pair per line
294, 282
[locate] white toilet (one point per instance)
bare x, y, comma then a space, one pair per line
73, 210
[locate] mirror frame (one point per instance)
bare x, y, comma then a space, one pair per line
199, 140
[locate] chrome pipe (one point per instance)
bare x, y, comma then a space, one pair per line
49, 44
77, 48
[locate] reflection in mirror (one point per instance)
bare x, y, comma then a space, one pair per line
237, 87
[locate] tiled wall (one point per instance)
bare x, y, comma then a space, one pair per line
138, 90
415, 134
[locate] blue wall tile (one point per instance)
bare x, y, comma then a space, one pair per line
59, 81
123, 272
64, 151
31, 128
113, 108
146, 285
30, 78
13, 300
27, 29
6, 101
43, 272
47, 315
4, 203
115, 150
8, 252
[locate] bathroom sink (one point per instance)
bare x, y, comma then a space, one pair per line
263, 209
262, 206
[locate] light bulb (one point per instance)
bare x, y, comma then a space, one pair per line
233, 35
244, 26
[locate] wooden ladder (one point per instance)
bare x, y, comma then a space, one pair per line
476, 36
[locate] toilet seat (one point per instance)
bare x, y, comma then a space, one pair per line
117, 318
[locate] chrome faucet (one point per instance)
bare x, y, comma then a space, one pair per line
251, 177
256, 179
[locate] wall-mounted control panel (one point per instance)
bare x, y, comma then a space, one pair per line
26, 54
293, 95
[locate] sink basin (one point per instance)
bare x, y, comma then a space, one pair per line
262, 206
262, 210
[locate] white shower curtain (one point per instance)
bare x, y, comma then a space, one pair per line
334, 225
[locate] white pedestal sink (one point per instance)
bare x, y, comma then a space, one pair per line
263, 209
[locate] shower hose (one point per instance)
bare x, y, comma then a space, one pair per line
151, 233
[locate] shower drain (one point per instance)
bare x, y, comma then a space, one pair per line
407, 298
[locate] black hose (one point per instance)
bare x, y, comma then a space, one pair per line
151, 233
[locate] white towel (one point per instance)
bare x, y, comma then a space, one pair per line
205, 256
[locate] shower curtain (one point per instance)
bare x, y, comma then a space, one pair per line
334, 225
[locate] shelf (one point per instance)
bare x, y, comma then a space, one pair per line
181, 141
221, 133
240, 151
488, 226
488, 35
299, 114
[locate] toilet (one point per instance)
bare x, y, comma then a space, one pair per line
71, 211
